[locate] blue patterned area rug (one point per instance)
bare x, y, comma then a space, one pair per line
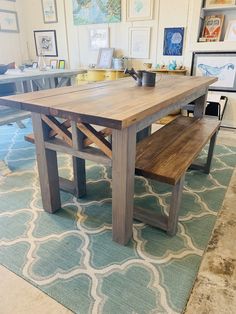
70, 255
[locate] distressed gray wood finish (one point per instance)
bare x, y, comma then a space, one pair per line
78, 163
200, 106
47, 166
175, 206
123, 168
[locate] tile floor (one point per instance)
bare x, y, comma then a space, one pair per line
215, 288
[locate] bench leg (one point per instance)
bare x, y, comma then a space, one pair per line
174, 207
210, 153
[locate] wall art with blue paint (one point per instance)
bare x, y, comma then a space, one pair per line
173, 41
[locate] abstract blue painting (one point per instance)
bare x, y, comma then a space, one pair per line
173, 41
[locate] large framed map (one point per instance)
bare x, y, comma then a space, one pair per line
96, 11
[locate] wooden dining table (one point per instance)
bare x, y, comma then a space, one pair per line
64, 119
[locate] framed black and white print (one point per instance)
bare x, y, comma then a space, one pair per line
216, 64
46, 43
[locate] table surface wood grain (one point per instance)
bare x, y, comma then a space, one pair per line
117, 104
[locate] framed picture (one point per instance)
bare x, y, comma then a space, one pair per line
96, 11
62, 64
98, 38
105, 58
173, 41
218, 64
9, 21
212, 28
53, 64
35, 65
139, 42
46, 43
139, 10
49, 11
230, 34
218, 3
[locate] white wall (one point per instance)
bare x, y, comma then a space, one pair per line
12, 45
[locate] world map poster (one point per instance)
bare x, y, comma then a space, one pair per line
96, 11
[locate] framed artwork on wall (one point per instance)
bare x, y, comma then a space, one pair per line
230, 34
46, 43
139, 10
217, 64
105, 58
173, 41
96, 11
139, 42
218, 3
9, 21
98, 38
49, 11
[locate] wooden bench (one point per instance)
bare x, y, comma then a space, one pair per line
9, 115
166, 155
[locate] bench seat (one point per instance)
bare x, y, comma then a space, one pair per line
167, 154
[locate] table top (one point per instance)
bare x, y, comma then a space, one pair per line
14, 75
117, 104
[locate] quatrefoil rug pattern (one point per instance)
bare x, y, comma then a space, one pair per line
70, 255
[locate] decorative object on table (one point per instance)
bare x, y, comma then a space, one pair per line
118, 63
53, 64
46, 43
230, 34
147, 65
49, 11
139, 10
212, 28
21, 67
35, 65
3, 68
139, 42
42, 63
99, 38
9, 21
62, 64
218, 3
105, 58
142, 77
96, 11
173, 41
172, 65
217, 64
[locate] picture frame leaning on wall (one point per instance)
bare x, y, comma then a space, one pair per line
216, 64
46, 43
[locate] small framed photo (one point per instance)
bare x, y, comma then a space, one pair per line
139, 10
49, 11
212, 28
216, 64
105, 58
173, 41
98, 38
46, 43
218, 3
230, 34
9, 21
139, 42
35, 65
53, 64
62, 64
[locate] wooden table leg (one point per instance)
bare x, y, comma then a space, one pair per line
123, 169
47, 167
200, 105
